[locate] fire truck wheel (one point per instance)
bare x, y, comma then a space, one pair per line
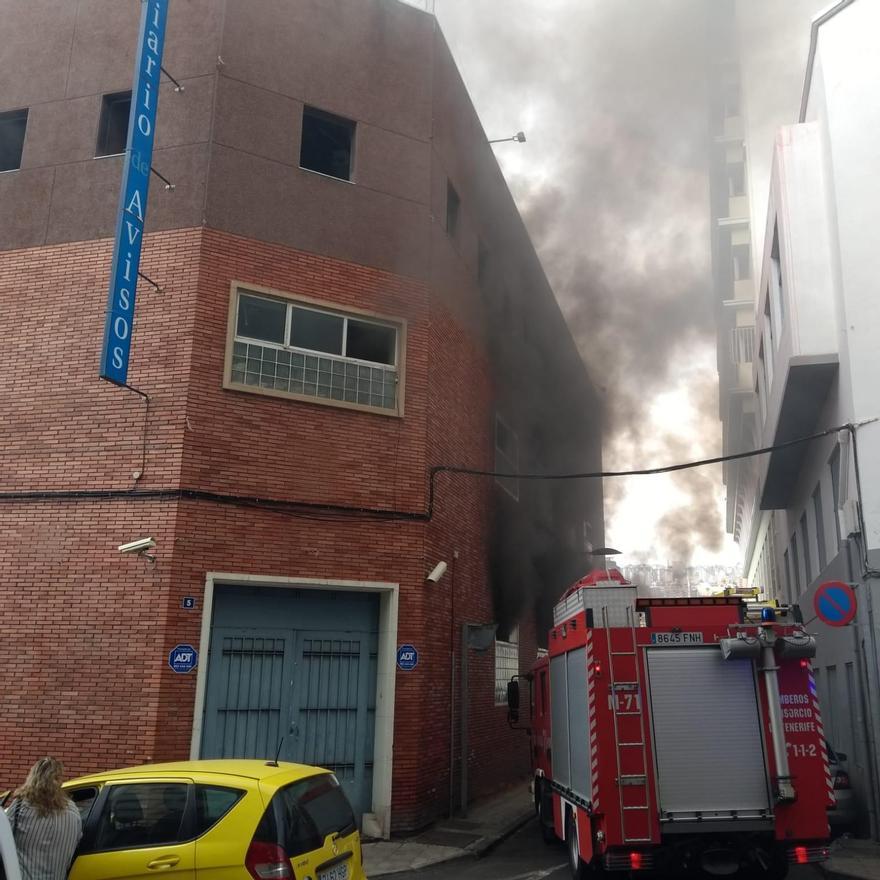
544, 808
579, 870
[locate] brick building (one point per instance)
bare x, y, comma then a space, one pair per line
349, 300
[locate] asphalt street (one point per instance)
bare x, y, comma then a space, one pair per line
524, 856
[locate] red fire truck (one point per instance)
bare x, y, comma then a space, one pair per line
678, 734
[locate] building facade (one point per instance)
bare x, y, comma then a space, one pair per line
347, 303
816, 506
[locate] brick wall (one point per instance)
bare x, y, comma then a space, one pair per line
89, 630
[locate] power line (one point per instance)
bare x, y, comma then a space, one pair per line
348, 513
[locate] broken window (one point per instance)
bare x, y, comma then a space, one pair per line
453, 203
327, 143
12, 129
113, 127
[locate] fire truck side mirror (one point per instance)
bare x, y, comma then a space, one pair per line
513, 700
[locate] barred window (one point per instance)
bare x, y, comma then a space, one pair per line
303, 350
743, 340
506, 664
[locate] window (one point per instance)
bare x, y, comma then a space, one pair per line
113, 127
776, 274
327, 143
795, 567
506, 664
772, 340
805, 546
213, 802
743, 345
12, 128
453, 203
742, 262
761, 388
506, 457
300, 816
141, 815
736, 179
834, 467
299, 349
482, 262
83, 798
788, 581
820, 527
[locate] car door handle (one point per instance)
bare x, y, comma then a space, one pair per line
163, 863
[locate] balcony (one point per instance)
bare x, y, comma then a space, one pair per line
797, 345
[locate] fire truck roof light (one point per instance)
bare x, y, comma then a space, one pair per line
768, 615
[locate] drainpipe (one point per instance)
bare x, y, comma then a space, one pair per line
784, 788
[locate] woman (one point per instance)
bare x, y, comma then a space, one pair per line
45, 823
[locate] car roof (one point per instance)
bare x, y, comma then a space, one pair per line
261, 771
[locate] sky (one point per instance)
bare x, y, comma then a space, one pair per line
612, 183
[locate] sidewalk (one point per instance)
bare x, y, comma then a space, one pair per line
851, 858
488, 822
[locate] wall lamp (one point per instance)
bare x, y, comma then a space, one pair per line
519, 137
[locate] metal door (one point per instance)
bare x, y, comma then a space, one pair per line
333, 711
707, 734
297, 664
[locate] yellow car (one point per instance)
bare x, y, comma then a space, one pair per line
215, 820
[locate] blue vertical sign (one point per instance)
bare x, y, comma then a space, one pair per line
133, 193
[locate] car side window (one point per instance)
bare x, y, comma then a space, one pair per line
83, 799
213, 802
141, 814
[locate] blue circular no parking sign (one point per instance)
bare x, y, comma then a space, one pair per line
835, 603
407, 657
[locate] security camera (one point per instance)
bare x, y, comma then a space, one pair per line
139, 546
437, 572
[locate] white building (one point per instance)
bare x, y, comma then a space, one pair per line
810, 513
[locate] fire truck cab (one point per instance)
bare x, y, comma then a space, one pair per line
678, 734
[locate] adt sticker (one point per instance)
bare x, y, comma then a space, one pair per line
407, 657
183, 658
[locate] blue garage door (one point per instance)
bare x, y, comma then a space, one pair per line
299, 664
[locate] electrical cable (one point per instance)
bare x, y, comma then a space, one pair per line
346, 513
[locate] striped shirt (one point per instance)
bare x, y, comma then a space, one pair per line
45, 844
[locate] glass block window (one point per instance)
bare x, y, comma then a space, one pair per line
506, 664
300, 349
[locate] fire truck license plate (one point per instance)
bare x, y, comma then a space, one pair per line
681, 638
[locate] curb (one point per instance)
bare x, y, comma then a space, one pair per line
476, 850
485, 845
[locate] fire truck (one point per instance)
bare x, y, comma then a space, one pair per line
678, 734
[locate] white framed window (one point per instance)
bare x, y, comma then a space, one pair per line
292, 347
506, 457
506, 664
